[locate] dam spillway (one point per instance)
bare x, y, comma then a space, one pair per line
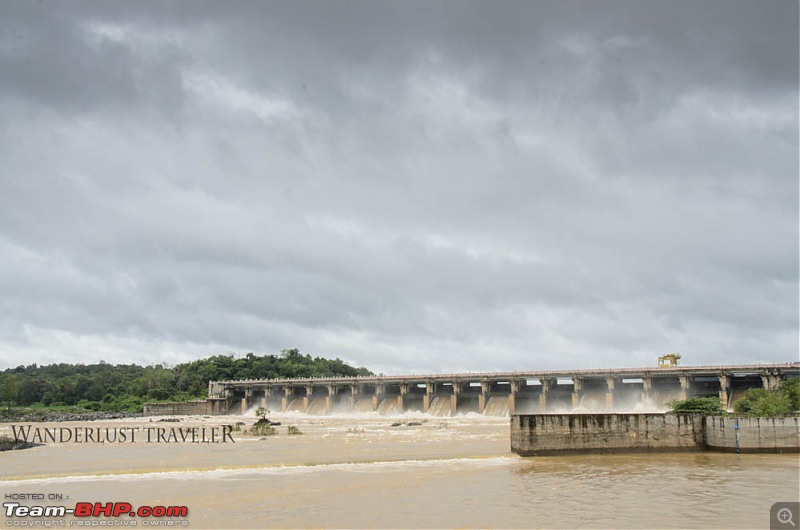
491, 393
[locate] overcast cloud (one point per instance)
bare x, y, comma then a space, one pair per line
410, 186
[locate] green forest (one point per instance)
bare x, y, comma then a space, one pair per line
126, 387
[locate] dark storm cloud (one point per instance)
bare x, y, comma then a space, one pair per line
49, 57
409, 185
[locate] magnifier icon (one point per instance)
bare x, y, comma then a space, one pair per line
785, 516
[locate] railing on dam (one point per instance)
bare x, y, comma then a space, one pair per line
501, 393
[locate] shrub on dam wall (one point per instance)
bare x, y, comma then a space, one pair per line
756, 402
697, 405
781, 401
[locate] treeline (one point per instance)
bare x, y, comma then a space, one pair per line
126, 387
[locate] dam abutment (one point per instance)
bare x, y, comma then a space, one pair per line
565, 434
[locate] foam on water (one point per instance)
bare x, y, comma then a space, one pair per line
496, 407
389, 412
379, 466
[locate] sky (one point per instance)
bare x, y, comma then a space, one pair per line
411, 186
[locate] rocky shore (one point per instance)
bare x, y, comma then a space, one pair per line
28, 415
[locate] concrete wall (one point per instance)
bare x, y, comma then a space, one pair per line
596, 390
558, 434
176, 408
755, 435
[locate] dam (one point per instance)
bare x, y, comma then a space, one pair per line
491, 393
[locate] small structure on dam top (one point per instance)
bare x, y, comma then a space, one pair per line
669, 360
498, 394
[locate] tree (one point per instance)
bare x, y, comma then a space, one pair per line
758, 402
791, 389
263, 427
127, 386
697, 405
10, 390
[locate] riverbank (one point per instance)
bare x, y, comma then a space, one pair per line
48, 415
363, 471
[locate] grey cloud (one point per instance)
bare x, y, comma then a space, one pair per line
411, 186
52, 56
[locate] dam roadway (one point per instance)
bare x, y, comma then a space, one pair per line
497, 393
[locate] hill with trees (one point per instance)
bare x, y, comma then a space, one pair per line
125, 387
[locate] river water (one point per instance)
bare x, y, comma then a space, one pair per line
360, 471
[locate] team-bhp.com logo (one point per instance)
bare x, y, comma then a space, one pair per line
97, 509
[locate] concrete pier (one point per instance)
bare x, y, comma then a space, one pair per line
753, 435
565, 434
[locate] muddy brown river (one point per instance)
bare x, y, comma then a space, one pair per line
360, 471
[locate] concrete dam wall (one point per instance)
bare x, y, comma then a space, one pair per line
753, 435
560, 434
493, 394
563, 434
501, 393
